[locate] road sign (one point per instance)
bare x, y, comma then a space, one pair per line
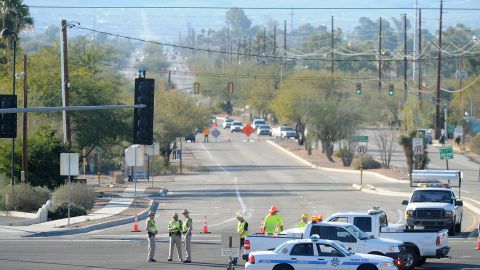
248, 130
458, 131
362, 149
69, 163
417, 146
230, 252
446, 153
215, 133
361, 138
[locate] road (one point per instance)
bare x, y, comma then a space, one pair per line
236, 175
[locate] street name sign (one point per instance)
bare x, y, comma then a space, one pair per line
361, 138
446, 153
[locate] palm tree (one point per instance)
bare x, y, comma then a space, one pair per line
14, 15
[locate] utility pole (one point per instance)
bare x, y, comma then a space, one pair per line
438, 125
420, 98
274, 41
415, 20
169, 84
405, 63
379, 54
24, 135
264, 41
285, 38
333, 47
249, 47
67, 132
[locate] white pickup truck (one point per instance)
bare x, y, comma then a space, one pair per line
419, 244
345, 234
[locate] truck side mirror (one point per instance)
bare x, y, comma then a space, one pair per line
404, 202
459, 203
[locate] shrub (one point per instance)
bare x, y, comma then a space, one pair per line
368, 163
80, 195
474, 144
25, 198
60, 211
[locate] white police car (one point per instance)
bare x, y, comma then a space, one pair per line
315, 253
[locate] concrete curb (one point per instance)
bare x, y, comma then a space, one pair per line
331, 169
99, 226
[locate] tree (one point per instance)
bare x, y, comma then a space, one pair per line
406, 142
386, 142
44, 150
14, 15
237, 20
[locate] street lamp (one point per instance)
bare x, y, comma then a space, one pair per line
8, 34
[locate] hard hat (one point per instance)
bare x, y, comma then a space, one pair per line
314, 218
320, 218
273, 209
305, 216
175, 214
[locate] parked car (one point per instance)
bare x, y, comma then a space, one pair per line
258, 122
236, 126
285, 132
227, 123
264, 130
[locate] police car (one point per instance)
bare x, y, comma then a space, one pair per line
315, 253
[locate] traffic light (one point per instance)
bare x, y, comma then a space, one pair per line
8, 121
391, 89
196, 88
143, 117
230, 88
358, 88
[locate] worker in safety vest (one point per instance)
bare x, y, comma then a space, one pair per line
151, 232
302, 223
273, 222
175, 233
242, 230
187, 231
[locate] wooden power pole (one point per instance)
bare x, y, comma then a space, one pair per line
67, 132
379, 54
438, 125
25, 119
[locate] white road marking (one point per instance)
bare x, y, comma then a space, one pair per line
400, 216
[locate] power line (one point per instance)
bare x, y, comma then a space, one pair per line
245, 8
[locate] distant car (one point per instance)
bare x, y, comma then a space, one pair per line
264, 130
227, 123
191, 137
427, 134
236, 126
257, 122
285, 132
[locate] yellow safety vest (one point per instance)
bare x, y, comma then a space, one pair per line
240, 227
175, 226
186, 225
151, 226
301, 224
271, 222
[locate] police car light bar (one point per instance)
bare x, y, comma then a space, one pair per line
438, 185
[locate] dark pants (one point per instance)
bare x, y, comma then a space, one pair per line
242, 243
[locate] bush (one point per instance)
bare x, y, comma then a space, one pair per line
474, 144
368, 163
60, 211
80, 195
24, 197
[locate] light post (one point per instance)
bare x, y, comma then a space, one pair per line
8, 34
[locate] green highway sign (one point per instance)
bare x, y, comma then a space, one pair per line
361, 138
446, 153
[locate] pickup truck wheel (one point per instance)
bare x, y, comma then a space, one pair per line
412, 258
283, 267
421, 261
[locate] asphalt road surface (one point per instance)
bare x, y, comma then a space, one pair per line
236, 175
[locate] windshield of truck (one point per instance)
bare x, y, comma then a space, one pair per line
280, 248
440, 196
357, 232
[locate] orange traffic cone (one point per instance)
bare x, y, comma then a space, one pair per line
275, 233
478, 242
262, 229
205, 225
135, 225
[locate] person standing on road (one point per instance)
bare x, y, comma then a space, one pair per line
242, 230
442, 140
273, 222
175, 234
187, 231
302, 223
151, 232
